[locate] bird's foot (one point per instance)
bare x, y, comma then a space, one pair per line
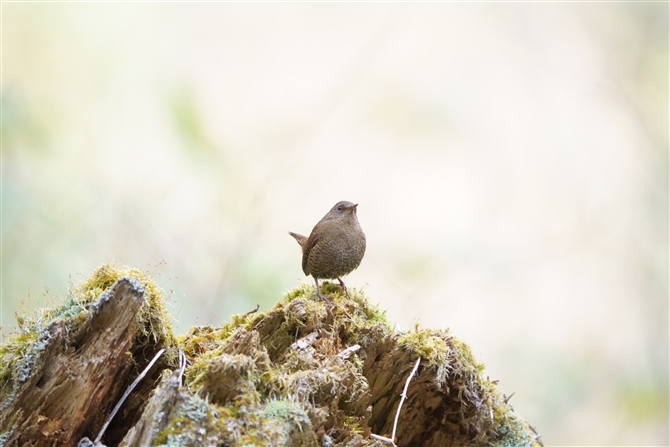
326, 298
346, 292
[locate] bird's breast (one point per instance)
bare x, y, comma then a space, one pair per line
337, 249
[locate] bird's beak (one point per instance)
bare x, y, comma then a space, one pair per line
352, 208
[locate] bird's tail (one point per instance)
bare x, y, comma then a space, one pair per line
299, 237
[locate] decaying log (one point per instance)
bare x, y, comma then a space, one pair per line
157, 414
75, 373
308, 373
66, 367
304, 373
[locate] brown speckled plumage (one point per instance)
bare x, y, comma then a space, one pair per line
335, 247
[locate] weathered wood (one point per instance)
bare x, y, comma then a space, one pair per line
303, 374
77, 374
157, 414
281, 378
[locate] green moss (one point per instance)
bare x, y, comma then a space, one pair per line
267, 383
302, 291
228, 378
283, 408
155, 322
428, 344
511, 430
456, 368
363, 313
280, 422
19, 353
278, 377
18, 357
203, 340
188, 426
295, 424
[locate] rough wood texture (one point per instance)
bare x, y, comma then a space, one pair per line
157, 414
305, 373
77, 376
280, 378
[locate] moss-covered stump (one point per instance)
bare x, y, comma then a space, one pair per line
304, 373
309, 373
67, 366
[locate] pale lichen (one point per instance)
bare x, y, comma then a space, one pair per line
22, 349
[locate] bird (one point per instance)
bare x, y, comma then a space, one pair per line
335, 247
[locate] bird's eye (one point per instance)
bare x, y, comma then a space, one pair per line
339, 208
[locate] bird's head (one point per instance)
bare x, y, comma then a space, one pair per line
341, 209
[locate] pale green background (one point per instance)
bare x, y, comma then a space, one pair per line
510, 162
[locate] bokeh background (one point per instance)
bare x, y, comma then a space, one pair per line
510, 162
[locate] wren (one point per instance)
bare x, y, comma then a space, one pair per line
335, 247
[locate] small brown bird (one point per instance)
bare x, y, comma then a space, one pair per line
335, 247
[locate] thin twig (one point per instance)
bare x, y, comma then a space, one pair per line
382, 438
258, 306
391, 440
125, 395
537, 437
404, 396
182, 364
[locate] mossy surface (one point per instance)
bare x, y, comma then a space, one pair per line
155, 322
189, 426
303, 373
284, 377
19, 352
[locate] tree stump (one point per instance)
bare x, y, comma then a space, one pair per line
304, 373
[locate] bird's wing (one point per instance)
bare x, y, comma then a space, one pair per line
313, 238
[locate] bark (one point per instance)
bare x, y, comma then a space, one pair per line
304, 373
157, 415
77, 374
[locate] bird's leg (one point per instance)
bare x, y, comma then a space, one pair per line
318, 292
344, 287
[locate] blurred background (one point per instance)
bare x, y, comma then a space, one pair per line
510, 162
